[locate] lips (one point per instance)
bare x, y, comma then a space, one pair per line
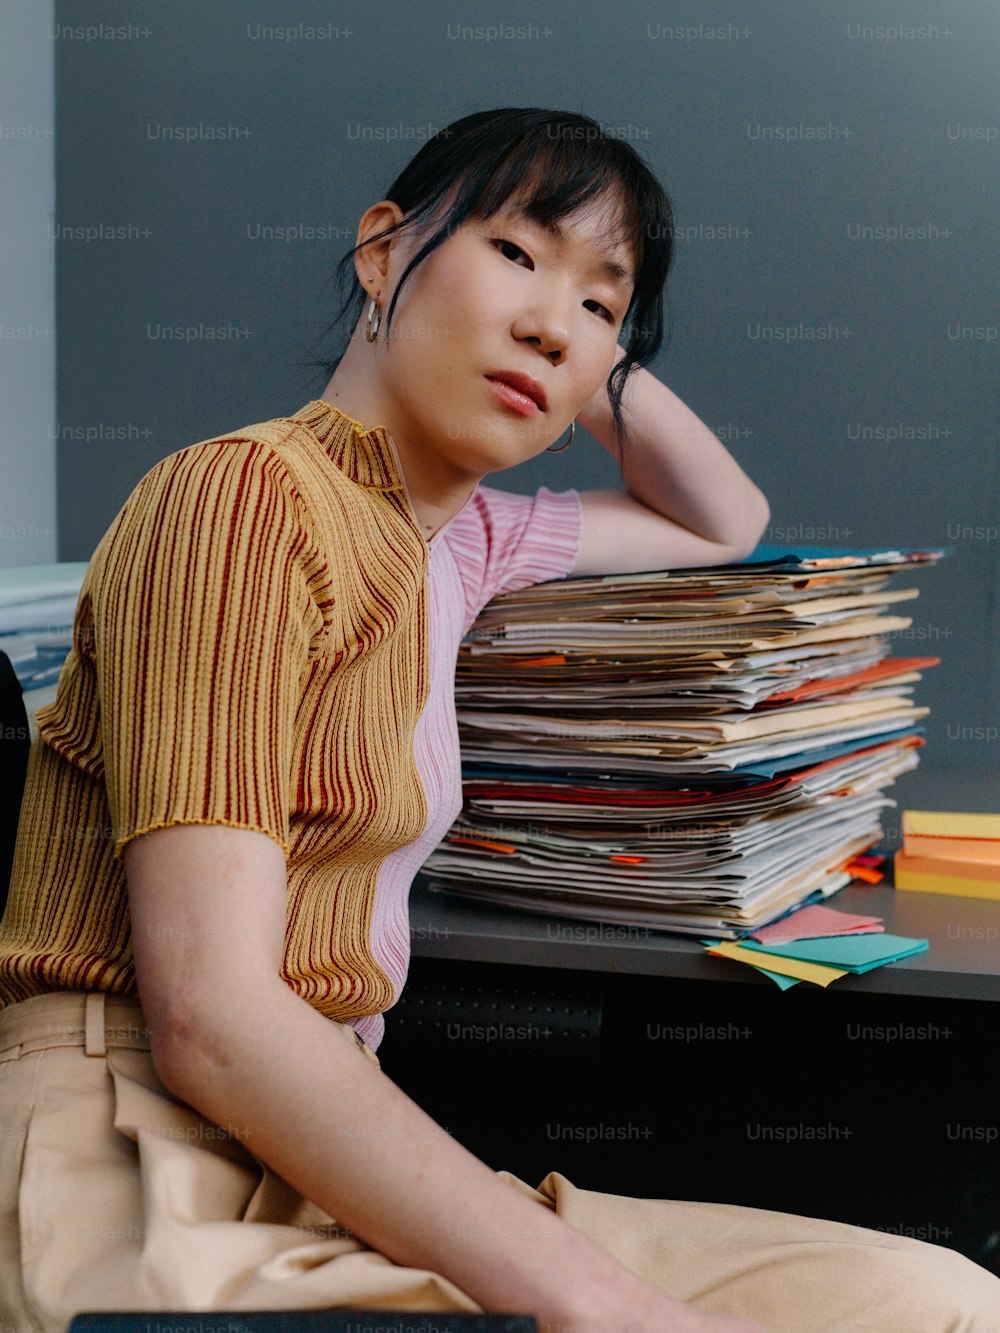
523, 384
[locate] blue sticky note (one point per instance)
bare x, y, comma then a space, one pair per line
855, 953
797, 555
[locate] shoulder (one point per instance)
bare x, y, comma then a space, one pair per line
256, 451
239, 479
500, 524
494, 516
503, 541
228, 504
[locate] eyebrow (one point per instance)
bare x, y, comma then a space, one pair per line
610, 268
618, 273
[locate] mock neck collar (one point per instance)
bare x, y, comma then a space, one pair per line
368, 457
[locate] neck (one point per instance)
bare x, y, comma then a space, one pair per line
436, 491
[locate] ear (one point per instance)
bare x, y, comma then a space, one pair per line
373, 259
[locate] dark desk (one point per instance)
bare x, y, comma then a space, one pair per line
895, 1056
963, 961
892, 1055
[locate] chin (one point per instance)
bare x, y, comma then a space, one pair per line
487, 463
486, 447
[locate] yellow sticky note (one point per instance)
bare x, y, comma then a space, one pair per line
950, 824
786, 967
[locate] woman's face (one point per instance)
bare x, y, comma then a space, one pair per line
501, 295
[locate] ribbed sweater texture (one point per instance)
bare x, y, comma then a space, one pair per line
265, 639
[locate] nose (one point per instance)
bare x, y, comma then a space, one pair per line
545, 327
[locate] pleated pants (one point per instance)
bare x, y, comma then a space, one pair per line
116, 1195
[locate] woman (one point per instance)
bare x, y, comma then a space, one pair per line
252, 750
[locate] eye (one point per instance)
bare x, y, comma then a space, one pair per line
499, 242
607, 313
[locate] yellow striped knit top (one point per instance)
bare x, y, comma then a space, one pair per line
252, 647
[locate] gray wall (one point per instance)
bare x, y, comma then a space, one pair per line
27, 286
781, 138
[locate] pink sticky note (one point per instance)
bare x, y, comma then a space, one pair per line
811, 922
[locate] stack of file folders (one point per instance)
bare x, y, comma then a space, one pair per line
37, 607
697, 751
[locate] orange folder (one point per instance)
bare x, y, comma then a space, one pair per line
963, 879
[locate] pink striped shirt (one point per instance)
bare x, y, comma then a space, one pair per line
497, 542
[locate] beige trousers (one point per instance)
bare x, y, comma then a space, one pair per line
116, 1195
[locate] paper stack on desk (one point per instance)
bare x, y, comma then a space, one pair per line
949, 852
697, 751
37, 607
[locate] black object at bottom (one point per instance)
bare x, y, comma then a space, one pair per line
15, 743
301, 1321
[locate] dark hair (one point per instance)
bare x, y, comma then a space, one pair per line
554, 162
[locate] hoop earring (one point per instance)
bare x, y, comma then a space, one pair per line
572, 432
374, 312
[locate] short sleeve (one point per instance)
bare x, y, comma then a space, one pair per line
502, 541
203, 620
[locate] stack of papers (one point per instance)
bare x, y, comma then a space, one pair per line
37, 606
949, 852
698, 750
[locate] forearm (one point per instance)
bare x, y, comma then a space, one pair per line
675, 464
322, 1116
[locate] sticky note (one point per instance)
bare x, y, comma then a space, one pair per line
788, 967
809, 922
855, 953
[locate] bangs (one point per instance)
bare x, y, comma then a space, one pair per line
546, 169
555, 179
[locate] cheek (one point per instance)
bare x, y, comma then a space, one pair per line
470, 288
448, 341
419, 341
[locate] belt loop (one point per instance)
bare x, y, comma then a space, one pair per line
94, 1043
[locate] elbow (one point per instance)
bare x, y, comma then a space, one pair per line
196, 1042
755, 517
203, 1042
761, 518
178, 1050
